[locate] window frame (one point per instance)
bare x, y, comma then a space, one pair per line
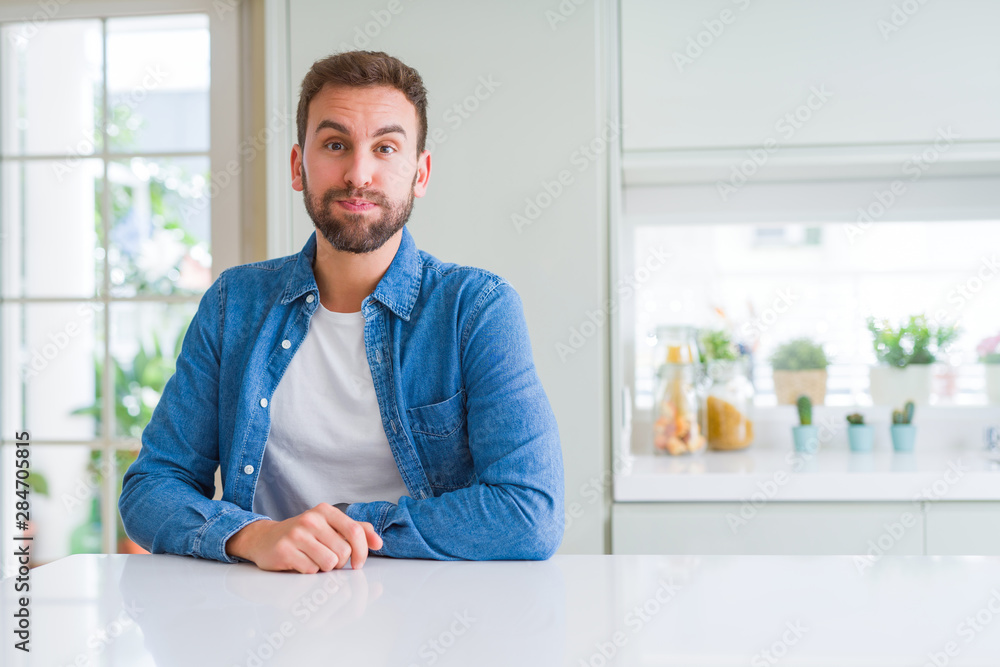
225, 129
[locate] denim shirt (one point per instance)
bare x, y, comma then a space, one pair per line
470, 427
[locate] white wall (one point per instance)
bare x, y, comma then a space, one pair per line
549, 103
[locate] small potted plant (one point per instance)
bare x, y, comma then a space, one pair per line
799, 368
805, 434
989, 355
860, 436
904, 433
905, 354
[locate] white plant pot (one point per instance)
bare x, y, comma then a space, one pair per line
895, 386
992, 383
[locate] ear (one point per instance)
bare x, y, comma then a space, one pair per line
423, 174
297, 168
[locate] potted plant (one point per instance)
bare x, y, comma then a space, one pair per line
805, 435
799, 368
989, 355
860, 436
905, 354
904, 433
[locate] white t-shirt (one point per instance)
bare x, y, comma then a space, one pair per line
326, 442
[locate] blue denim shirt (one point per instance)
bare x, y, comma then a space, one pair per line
469, 424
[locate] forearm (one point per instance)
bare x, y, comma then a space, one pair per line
166, 515
481, 522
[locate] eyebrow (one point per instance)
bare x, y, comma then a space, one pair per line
334, 125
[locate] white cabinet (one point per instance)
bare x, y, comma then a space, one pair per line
963, 528
778, 528
721, 74
946, 528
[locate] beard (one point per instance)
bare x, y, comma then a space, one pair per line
357, 232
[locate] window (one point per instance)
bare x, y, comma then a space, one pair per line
109, 225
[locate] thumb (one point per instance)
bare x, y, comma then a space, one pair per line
374, 541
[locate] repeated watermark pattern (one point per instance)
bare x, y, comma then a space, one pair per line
914, 167
786, 127
552, 188
712, 30
625, 288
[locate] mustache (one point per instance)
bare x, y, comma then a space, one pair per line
336, 194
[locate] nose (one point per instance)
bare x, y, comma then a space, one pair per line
360, 170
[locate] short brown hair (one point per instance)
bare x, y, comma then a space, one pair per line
362, 69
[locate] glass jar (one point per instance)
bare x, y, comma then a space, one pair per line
728, 405
676, 426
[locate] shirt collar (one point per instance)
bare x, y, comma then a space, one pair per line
397, 289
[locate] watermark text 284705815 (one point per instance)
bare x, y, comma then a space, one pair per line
22, 542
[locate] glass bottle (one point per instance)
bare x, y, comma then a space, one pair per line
676, 426
729, 405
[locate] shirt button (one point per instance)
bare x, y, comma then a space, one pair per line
263, 402
286, 344
310, 298
248, 470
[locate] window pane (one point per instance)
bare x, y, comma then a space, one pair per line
50, 220
50, 103
65, 500
123, 545
145, 341
158, 83
771, 283
51, 362
160, 236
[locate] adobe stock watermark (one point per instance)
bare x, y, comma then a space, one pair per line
153, 78
913, 167
967, 630
433, 649
966, 291
47, 10
592, 491
302, 610
248, 150
553, 188
99, 640
899, 16
769, 489
779, 648
786, 127
605, 653
783, 300
895, 531
703, 40
39, 357
624, 289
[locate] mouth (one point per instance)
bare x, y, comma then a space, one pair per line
356, 205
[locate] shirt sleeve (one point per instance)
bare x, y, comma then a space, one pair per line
515, 508
166, 501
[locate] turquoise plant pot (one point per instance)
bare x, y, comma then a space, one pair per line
806, 439
861, 437
903, 437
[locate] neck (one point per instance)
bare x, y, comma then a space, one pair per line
345, 278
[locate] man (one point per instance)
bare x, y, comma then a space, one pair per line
360, 396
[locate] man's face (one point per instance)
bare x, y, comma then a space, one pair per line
359, 171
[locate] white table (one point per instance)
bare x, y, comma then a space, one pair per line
640, 610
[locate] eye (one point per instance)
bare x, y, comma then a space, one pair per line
389, 149
333, 143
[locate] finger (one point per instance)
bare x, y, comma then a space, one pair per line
325, 534
350, 530
374, 541
323, 556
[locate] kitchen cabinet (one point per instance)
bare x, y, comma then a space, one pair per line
737, 73
963, 528
785, 528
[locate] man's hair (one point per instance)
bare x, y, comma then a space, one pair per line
361, 69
